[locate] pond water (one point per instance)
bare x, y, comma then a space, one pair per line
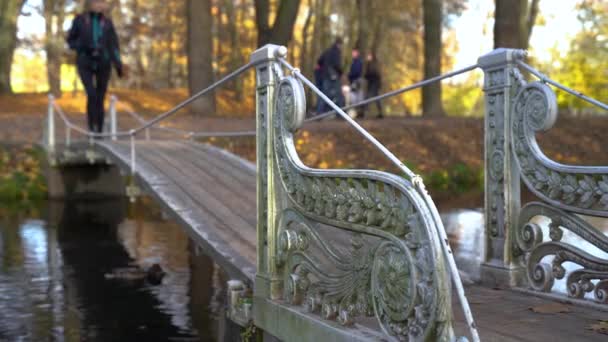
70, 272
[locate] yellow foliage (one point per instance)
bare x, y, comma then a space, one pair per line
145, 102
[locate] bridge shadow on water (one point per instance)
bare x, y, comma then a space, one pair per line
76, 271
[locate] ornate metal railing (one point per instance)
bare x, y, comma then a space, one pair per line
342, 244
347, 245
516, 111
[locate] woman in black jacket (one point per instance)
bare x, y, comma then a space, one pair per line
374, 80
94, 39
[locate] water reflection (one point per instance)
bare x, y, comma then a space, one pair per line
466, 234
52, 284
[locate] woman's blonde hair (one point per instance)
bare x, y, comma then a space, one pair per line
86, 5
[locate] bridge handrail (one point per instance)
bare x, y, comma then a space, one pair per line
193, 134
545, 79
160, 117
397, 91
416, 181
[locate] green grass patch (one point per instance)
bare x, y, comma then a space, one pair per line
456, 179
21, 178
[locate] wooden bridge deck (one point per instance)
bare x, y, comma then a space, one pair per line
212, 193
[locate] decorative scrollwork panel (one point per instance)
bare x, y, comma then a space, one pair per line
390, 267
592, 272
567, 190
580, 189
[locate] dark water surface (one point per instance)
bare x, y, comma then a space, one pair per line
69, 272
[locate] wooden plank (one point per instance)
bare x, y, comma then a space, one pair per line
219, 165
202, 197
175, 194
121, 152
504, 315
180, 168
236, 161
224, 184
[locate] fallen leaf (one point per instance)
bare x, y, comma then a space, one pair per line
550, 308
600, 327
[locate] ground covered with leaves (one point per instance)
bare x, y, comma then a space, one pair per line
447, 152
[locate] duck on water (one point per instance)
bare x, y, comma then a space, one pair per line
153, 275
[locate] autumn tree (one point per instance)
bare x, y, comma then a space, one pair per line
200, 53
54, 15
9, 12
431, 94
281, 31
514, 21
588, 53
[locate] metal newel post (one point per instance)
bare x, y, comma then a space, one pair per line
51, 124
502, 180
268, 72
113, 119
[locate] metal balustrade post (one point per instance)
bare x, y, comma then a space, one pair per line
501, 179
68, 136
113, 118
50, 142
132, 189
267, 284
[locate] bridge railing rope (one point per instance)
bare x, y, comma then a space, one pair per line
144, 125
190, 134
545, 79
395, 92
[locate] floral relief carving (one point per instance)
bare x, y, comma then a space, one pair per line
392, 268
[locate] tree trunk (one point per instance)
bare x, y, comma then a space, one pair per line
54, 14
200, 45
363, 30
281, 31
307, 64
431, 94
9, 11
236, 59
171, 55
315, 44
513, 23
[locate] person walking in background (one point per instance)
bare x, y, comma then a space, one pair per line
331, 75
94, 39
355, 81
374, 80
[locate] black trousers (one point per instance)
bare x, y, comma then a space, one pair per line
373, 90
95, 77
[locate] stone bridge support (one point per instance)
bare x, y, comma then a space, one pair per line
75, 175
